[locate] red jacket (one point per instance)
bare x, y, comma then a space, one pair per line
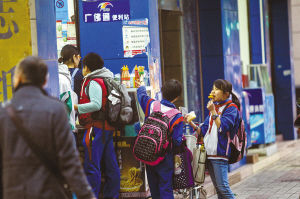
86, 119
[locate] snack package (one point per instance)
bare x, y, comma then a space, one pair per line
191, 116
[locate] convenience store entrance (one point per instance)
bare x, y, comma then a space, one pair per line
170, 47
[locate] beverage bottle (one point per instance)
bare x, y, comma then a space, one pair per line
141, 75
136, 76
127, 77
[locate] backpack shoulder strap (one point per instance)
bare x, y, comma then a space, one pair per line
229, 105
171, 113
156, 106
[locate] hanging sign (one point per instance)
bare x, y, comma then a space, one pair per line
105, 11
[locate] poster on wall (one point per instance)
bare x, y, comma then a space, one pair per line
15, 35
155, 75
133, 183
71, 33
95, 11
256, 109
135, 37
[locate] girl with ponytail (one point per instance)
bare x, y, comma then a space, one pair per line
68, 63
223, 120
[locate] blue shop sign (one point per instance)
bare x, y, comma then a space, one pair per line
256, 102
105, 11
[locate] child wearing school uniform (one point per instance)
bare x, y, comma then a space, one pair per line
223, 118
160, 176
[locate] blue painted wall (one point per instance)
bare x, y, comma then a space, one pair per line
255, 32
285, 87
46, 40
211, 40
231, 45
220, 50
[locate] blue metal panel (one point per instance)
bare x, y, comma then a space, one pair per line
53, 83
283, 75
255, 32
211, 45
220, 44
229, 5
46, 29
46, 40
211, 33
153, 26
212, 69
231, 45
106, 38
209, 5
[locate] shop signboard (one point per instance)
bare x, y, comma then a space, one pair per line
256, 115
95, 11
15, 41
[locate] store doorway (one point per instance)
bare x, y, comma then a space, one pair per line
170, 48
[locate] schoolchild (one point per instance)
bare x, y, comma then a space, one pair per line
160, 176
70, 58
98, 137
214, 130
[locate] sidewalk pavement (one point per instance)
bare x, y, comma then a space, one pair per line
273, 177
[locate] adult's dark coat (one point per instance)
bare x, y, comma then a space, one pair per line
24, 176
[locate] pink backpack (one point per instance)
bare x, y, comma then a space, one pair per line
239, 142
152, 142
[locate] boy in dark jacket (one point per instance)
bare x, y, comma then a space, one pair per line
160, 176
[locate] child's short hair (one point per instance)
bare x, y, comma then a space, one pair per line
171, 89
93, 61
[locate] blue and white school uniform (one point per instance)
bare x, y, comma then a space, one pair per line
160, 176
216, 142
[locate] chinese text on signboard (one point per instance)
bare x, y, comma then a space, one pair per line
15, 41
105, 11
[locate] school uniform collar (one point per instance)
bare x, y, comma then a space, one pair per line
222, 102
167, 103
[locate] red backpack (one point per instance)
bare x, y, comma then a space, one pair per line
239, 142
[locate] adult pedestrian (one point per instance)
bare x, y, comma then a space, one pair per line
223, 117
45, 118
98, 137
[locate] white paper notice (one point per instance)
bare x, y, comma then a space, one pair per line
135, 40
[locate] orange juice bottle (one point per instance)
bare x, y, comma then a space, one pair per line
136, 76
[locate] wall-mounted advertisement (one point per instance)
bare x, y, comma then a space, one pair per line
135, 37
15, 41
105, 11
256, 115
262, 118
